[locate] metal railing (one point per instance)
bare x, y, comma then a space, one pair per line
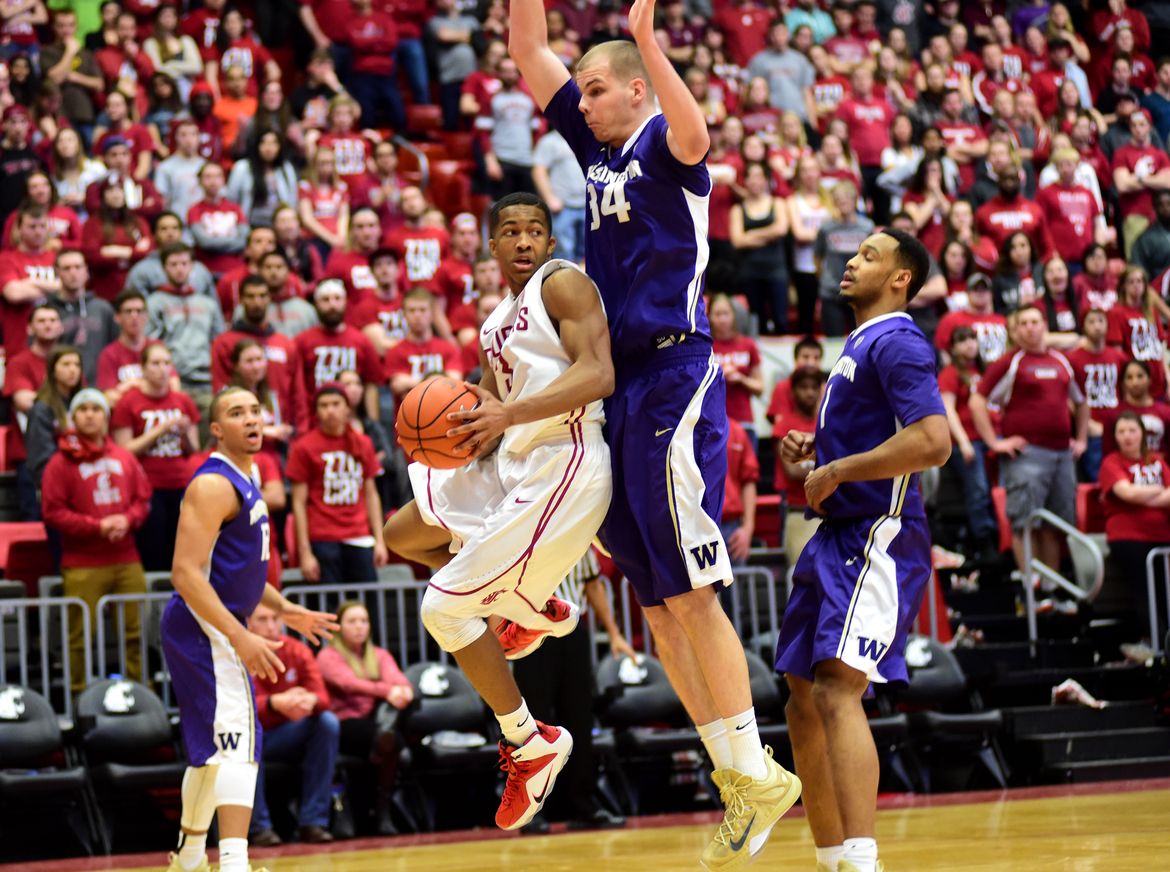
15, 618
1032, 566
1152, 592
150, 606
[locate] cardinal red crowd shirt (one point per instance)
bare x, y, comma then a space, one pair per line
951, 381
742, 468
419, 358
117, 364
1142, 161
1034, 391
334, 468
742, 354
353, 269
375, 309
25, 372
325, 354
1141, 339
1071, 213
16, 266
350, 150
1129, 521
869, 128
420, 250
990, 329
1098, 374
455, 283
783, 424
141, 412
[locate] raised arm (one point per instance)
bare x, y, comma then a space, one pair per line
528, 47
687, 135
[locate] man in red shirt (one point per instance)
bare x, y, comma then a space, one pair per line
218, 226
350, 148
119, 364
299, 727
1074, 219
1034, 387
1008, 212
455, 281
1139, 168
260, 241
420, 353
125, 65
379, 315
966, 144
332, 347
739, 494
806, 354
381, 187
806, 384
23, 377
1098, 367
352, 266
1046, 83
95, 495
420, 247
335, 502
745, 29
27, 276
202, 25
979, 314
372, 37
868, 120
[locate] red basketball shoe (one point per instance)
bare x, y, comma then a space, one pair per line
532, 771
520, 641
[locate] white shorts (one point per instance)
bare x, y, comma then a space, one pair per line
518, 524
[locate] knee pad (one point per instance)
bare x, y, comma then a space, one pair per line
235, 784
452, 632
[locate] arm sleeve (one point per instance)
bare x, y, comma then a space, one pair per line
388, 668
993, 375
906, 367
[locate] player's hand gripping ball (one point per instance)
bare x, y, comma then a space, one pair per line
422, 423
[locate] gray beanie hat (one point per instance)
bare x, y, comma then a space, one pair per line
92, 396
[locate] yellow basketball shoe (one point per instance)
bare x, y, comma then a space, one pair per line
176, 866
751, 808
846, 866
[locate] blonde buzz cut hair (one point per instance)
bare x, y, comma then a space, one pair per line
625, 61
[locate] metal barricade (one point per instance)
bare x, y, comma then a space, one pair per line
150, 606
14, 618
1032, 566
396, 626
1162, 554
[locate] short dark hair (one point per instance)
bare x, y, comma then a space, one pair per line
223, 393
808, 342
160, 216
252, 281
61, 252
274, 253
126, 295
911, 254
171, 250
520, 198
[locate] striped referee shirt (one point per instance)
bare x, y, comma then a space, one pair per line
572, 589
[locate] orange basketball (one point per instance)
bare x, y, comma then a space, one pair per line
422, 423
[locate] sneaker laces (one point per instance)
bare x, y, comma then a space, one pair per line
734, 797
513, 785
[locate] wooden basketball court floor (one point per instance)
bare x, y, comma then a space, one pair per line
1119, 827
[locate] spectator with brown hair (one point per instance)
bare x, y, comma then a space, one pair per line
420, 353
23, 377
1137, 328
160, 427
1139, 168
27, 276
49, 415
95, 496
218, 226
113, 239
1098, 368
120, 362
86, 321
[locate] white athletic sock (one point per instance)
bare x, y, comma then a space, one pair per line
517, 726
191, 849
829, 856
747, 755
715, 740
233, 855
862, 853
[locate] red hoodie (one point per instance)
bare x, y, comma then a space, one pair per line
84, 483
300, 670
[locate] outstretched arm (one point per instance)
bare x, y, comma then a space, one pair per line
528, 46
687, 136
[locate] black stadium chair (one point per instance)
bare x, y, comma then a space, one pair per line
38, 773
129, 749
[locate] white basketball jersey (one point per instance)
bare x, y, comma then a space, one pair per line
525, 352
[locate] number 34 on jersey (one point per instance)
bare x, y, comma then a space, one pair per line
612, 199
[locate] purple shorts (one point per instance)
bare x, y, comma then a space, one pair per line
856, 590
667, 431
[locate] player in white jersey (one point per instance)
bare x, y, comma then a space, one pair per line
504, 531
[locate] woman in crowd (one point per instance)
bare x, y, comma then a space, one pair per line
724, 164
1137, 329
739, 356
1095, 287
900, 159
264, 180
236, 46
119, 122
1060, 304
792, 146
1134, 491
957, 264
809, 207
159, 426
64, 226
367, 690
272, 114
173, 53
968, 453
961, 228
73, 171
758, 227
49, 416
1016, 281
113, 240
928, 203
323, 204
165, 105
1134, 396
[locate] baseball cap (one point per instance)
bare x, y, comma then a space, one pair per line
16, 110
113, 142
982, 280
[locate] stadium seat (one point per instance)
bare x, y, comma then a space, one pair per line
423, 120
769, 520
460, 144
450, 187
24, 553
999, 503
1090, 512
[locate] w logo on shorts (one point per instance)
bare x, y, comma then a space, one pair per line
706, 555
229, 741
870, 648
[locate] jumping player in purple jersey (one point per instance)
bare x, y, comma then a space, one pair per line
666, 423
859, 582
219, 572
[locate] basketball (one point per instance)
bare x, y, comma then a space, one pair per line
422, 423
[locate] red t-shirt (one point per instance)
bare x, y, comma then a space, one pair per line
141, 412
138, 136
1141, 161
828, 93
1071, 213
287, 392
869, 128
1130, 521
785, 423
202, 25
18, 266
990, 329
220, 220
420, 250
372, 309
742, 468
951, 382
25, 372
334, 468
455, 284
248, 55
1095, 292
745, 31
1098, 374
63, 225
372, 39
961, 133
998, 220
933, 233
1033, 390
300, 670
418, 358
350, 151
743, 354
326, 354
326, 202
1140, 339
353, 269
117, 364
